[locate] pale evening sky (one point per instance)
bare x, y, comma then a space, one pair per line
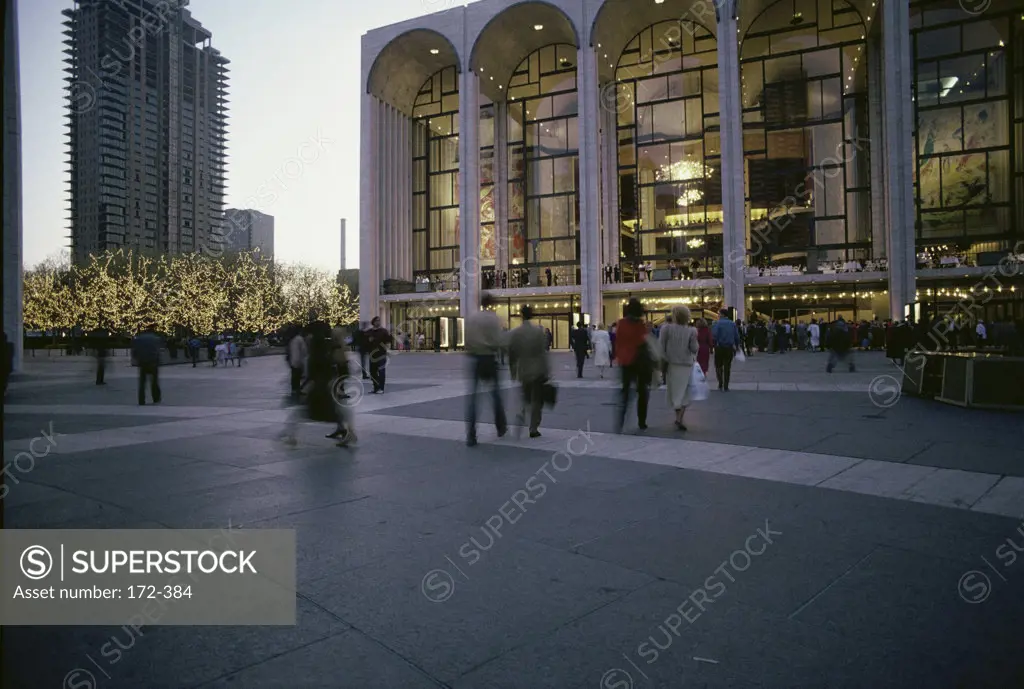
294, 77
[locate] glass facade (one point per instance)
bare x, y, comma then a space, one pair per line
543, 167
968, 110
669, 155
435, 180
805, 135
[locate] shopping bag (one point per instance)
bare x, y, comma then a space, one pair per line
549, 393
698, 384
739, 357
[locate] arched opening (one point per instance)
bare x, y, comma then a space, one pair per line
805, 137
435, 182
406, 63
669, 153
543, 169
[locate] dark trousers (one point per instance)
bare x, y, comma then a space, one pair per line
194, 354
101, 369
580, 358
723, 365
378, 372
149, 371
296, 380
641, 377
211, 354
484, 368
533, 403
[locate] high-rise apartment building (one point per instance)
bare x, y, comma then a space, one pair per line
246, 229
147, 116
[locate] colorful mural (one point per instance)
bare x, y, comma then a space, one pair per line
958, 180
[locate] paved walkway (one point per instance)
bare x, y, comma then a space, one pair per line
800, 534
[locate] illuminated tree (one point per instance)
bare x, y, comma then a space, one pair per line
191, 293
343, 308
254, 299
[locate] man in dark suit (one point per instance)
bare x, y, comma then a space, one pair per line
580, 342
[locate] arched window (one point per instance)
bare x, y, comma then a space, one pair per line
805, 135
543, 167
435, 177
669, 159
968, 184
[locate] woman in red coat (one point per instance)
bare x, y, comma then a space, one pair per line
704, 343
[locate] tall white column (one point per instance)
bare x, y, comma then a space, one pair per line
369, 236
501, 185
613, 225
589, 189
876, 136
406, 238
469, 193
734, 241
13, 323
899, 204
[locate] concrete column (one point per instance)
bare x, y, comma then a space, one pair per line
407, 197
613, 224
898, 155
13, 323
501, 185
607, 172
469, 193
733, 191
589, 190
876, 146
369, 237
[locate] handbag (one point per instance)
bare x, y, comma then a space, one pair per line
549, 393
740, 357
699, 390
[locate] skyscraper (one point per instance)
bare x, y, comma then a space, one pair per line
147, 116
246, 229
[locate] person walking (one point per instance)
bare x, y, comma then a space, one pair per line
680, 347
297, 355
344, 432
528, 357
602, 344
550, 338
840, 343
211, 349
378, 340
727, 341
814, 334
636, 363
704, 344
484, 338
146, 351
102, 346
580, 343
193, 350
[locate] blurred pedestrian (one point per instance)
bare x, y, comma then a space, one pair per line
146, 352
377, 341
101, 348
602, 344
636, 363
679, 343
484, 339
528, 357
579, 340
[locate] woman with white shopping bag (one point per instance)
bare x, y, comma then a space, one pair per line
679, 347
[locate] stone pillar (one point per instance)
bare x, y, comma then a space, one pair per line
734, 244
369, 236
899, 204
589, 188
469, 193
613, 225
13, 324
501, 185
876, 146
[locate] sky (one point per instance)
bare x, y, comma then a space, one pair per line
294, 83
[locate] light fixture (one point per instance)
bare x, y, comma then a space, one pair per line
538, 27
434, 51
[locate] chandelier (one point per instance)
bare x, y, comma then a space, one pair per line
684, 171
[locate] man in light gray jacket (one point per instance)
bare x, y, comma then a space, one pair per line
484, 339
528, 358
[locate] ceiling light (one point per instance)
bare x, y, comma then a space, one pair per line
434, 51
538, 27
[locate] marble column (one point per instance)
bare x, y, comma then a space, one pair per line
589, 190
369, 236
876, 146
469, 193
734, 240
899, 203
13, 317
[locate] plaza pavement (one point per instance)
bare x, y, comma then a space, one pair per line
810, 530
